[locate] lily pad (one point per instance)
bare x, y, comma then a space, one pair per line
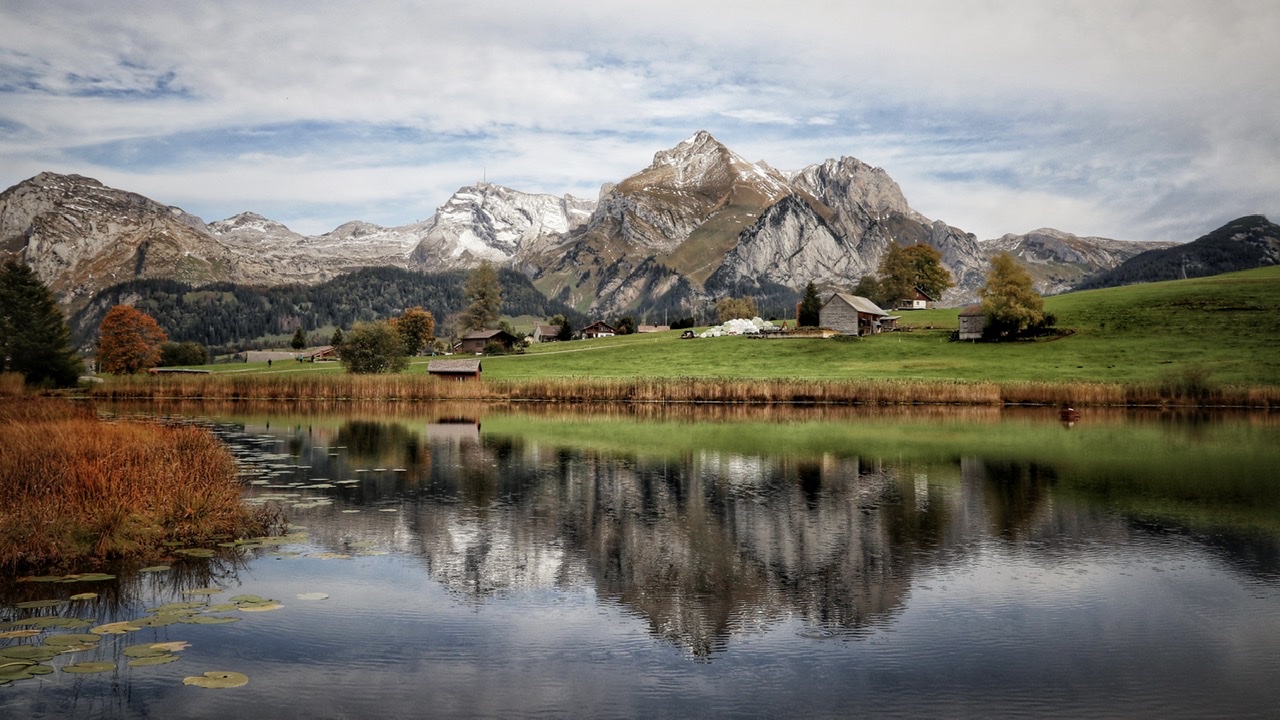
84, 596
41, 578
203, 591
155, 569
162, 659
88, 577
261, 607
217, 679
145, 650
29, 652
89, 667
71, 639
247, 599
31, 604
19, 633
209, 620
173, 646
115, 628
60, 622
197, 552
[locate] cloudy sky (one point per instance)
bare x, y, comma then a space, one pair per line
1134, 120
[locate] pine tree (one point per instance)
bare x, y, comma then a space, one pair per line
299, 339
34, 337
810, 306
128, 341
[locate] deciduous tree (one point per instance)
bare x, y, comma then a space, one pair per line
1009, 302
735, 308
373, 347
903, 269
34, 337
184, 353
417, 327
484, 298
128, 341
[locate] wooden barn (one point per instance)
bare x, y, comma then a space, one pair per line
972, 322
454, 369
545, 333
918, 300
853, 315
474, 341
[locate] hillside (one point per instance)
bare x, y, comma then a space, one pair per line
1248, 242
231, 317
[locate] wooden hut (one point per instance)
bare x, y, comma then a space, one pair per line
853, 315
972, 322
454, 369
475, 341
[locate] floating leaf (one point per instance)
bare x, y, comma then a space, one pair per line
81, 647
88, 577
313, 596
174, 646
193, 605
89, 667
197, 552
60, 622
248, 599
30, 604
20, 633
203, 591
155, 569
84, 596
209, 620
161, 659
115, 628
222, 607
145, 650
217, 679
41, 578
29, 652
261, 607
71, 639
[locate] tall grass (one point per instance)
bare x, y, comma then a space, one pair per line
1180, 391
73, 487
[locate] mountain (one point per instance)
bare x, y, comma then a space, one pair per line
700, 223
1058, 261
1248, 242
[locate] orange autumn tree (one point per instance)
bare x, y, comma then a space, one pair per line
128, 341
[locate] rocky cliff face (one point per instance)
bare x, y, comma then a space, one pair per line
1058, 261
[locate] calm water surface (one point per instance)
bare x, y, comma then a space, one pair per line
794, 563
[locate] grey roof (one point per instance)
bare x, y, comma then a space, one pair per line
859, 303
453, 366
483, 334
971, 310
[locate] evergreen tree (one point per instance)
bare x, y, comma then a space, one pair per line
810, 305
625, 325
484, 297
299, 339
128, 341
34, 337
374, 347
1009, 302
336, 341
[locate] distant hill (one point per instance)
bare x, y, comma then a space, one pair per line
1248, 242
229, 317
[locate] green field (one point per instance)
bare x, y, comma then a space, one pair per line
1224, 329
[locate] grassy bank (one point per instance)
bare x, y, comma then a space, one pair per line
76, 488
1202, 342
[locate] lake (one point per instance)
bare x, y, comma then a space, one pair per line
489, 561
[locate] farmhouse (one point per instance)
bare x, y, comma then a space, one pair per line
454, 369
474, 341
598, 329
854, 315
545, 333
918, 300
972, 322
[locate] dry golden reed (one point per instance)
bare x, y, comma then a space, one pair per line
74, 487
681, 390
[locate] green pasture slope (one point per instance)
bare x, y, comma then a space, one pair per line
1224, 329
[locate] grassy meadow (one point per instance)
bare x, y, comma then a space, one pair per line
1209, 340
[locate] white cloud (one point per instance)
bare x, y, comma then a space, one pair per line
1102, 115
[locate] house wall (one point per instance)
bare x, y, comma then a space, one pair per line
839, 316
971, 327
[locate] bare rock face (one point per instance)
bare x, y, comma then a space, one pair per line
1058, 261
491, 223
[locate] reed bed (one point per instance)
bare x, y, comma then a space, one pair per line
1177, 392
76, 488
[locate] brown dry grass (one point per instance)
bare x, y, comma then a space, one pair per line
73, 487
325, 388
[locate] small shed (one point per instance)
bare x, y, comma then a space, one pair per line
454, 369
652, 328
474, 341
599, 329
972, 322
545, 333
853, 315
918, 300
